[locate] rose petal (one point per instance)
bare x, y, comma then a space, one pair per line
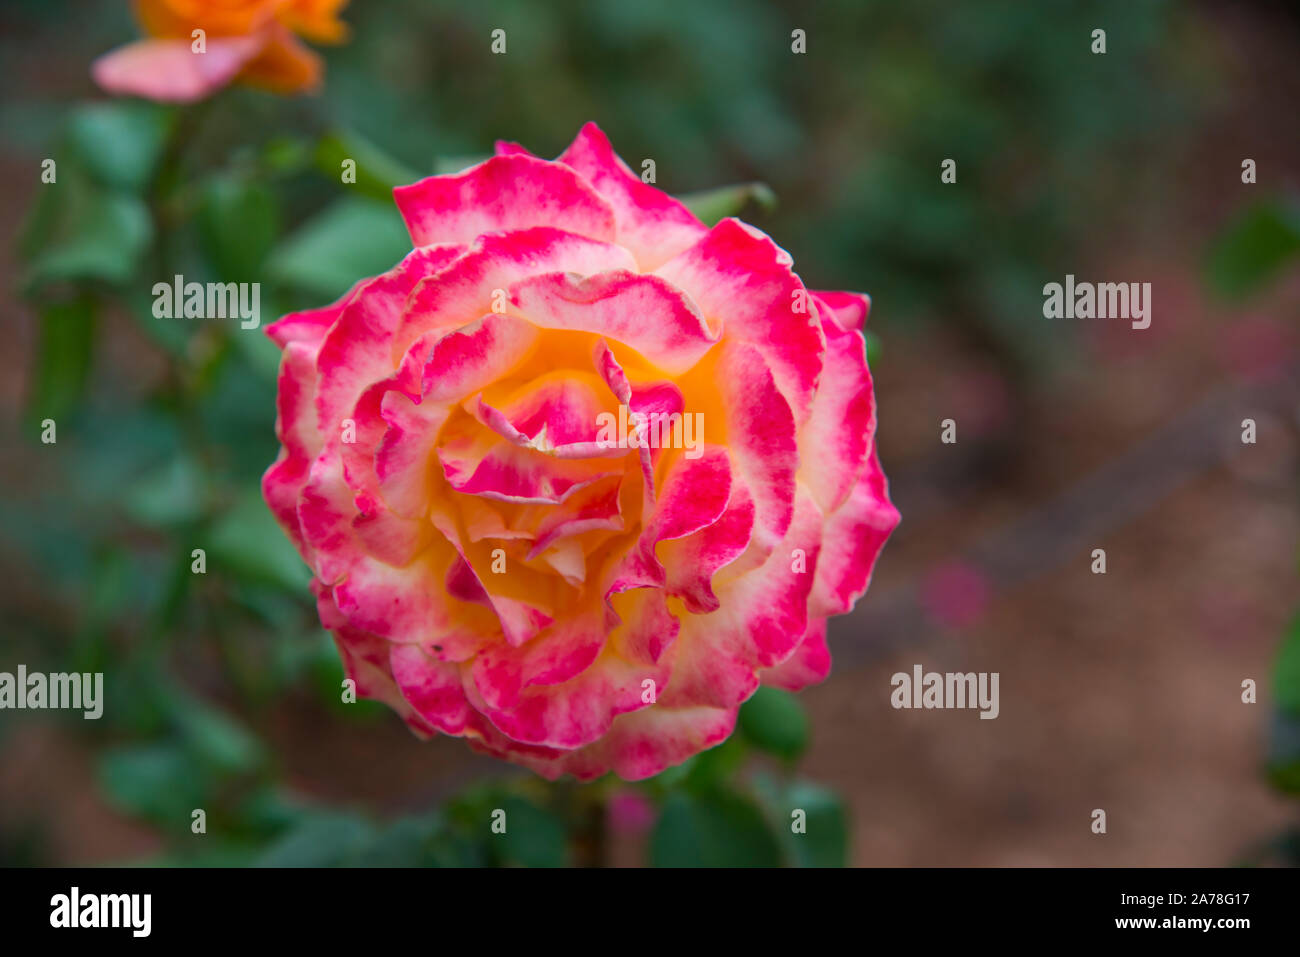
854, 535
503, 193
835, 440
848, 310
810, 663
169, 71
644, 312
651, 223
741, 279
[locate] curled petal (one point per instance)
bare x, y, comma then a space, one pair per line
694, 496
762, 618
836, 438
649, 222
477, 461
431, 687
761, 436
810, 663
559, 413
855, 533
594, 507
644, 312
508, 192
169, 71
310, 325
738, 277
357, 352
475, 284
366, 663
576, 712
295, 426
638, 745
694, 560
520, 621
848, 310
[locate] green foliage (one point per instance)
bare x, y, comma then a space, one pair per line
155, 781
352, 239
248, 543
715, 811
81, 231
376, 172
873, 348
534, 837
719, 829
238, 222
1286, 673
712, 205
323, 839
172, 494
63, 359
1283, 765
1255, 249
774, 721
119, 143
824, 837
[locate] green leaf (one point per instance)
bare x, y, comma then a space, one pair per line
248, 543
1283, 763
262, 354
1286, 673
173, 494
534, 837
810, 820
1259, 244
80, 231
267, 812
63, 358
285, 155
718, 829
714, 767
219, 741
376, 172
351, 240
238, 224
172, 336
825, 839
712, 205
403, 843
119, 142
773, 720
322, 839
873, 348
159, 782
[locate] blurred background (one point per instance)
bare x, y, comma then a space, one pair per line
1120, 691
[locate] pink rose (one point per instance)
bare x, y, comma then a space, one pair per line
579, 473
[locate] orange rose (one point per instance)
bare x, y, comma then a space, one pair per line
199, 46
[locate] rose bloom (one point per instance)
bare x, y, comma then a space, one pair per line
489, 564
246, 41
